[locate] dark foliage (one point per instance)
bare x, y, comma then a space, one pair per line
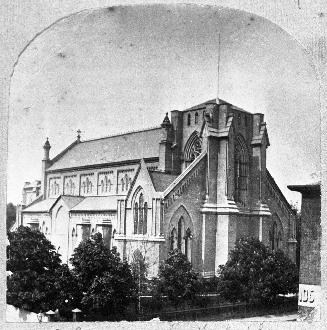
11, 215
254, 273
139, 268
38, 280
176, 279
106, 282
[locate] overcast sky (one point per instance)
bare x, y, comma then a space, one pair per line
118, 69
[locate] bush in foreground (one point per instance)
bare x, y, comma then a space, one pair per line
254, 273
104, 279
177, 279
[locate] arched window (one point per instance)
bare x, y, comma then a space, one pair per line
73, 232
108, 184
181, 239
136, 217
196, 118
279, 240
89, 187
189, 119
56, 188
193, 147
273, 236
173, 239
241, 168
180, 232
140, 216
140, 226
188, 237
145, 218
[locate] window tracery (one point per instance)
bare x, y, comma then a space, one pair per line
140, 216
241, 172
193, 147
70, 187
181, 239
54, 187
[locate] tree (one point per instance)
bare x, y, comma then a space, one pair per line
34, 263
11, 215
254, 273
177, 279
106, 281
139, 268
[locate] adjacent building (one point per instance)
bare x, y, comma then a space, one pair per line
196, 182
310, 262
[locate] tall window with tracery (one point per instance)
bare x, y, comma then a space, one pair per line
140, 216
105, 185
275, 237
181, 239
54, 187
241, 168
70, 187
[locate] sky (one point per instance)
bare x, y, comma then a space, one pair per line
118, 69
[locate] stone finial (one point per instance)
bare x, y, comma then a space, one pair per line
47, 144
79, 135
46, 148
166, 122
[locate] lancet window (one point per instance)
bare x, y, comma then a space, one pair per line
125, 182
196, 118
180, 238
54, 187
275, 237
105, 185
241, 167
140, 216
70, 187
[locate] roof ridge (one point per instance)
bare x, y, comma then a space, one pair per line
121, 134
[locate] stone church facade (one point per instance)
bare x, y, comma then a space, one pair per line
197, 182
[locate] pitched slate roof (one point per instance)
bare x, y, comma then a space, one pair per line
213, 101
71, 201
97, 203
111, 149
161, 180
43, 206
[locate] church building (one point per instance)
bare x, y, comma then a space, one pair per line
197, 182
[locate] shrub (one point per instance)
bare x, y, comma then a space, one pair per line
254, 273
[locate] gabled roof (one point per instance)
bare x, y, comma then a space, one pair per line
161, 180
214, 101
43, 206
112, 149
184, 174
71, 201
97, 203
